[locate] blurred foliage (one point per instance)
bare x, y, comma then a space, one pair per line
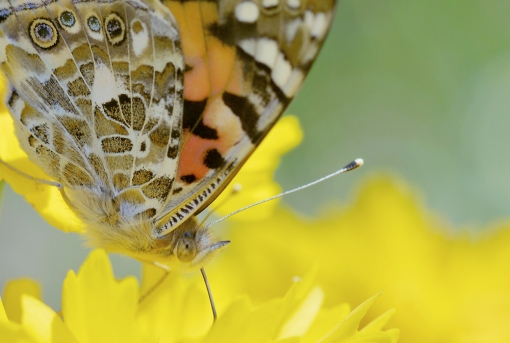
418, 88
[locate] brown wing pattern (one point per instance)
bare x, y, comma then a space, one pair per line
97, 94
245, 61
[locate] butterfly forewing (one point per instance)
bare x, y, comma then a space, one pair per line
245, 61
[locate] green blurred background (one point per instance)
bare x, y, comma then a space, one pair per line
419, 89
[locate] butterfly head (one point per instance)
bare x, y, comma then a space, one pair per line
191, 246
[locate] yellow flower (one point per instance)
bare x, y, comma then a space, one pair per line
446, 287
97, 308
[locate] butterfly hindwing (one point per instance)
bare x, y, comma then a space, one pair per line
40, 96
98, 94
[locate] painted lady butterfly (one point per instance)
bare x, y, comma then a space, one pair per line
143, 111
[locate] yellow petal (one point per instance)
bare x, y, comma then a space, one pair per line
325, 322
3, 315
96, 307
380, 322
304, 315
349, 326
42, 322
13, 293
11, 332
177, 309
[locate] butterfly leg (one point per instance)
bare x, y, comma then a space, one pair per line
154, 287
209, 293
164, 276
59, 186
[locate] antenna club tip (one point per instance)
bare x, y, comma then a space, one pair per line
359, 162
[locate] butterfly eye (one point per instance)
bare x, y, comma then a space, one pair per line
186, 249
43, 33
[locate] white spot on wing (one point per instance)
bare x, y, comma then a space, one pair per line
267, 50
293, 84
281, 71
140, 39
309, 19
269, 3
291, 29
294, 4
105, 87
247, 12
248, 46
319, 25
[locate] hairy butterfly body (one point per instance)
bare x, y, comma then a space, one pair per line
144, 110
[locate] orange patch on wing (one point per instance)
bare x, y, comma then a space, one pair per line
196, 85
211, 61
192, 156
228, 126
221, 64
209, 12
190, 22
237, 84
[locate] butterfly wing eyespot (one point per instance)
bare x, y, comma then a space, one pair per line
186, 249
115, 28
67, 19
43, 33
94, 24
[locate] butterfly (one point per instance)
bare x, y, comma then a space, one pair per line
143, 111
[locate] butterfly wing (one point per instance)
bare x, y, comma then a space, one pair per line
99, 100
97, 94
245, 61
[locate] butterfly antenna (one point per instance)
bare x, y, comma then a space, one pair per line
235, 189
351, 166
209, 293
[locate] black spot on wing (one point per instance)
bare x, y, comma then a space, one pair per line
231, 30
246, 112
188, 178
192, 119
213, 159
112, 110
13, 98
176, 133
42, 132
147, 214
172, 151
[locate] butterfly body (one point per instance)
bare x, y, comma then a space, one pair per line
144, 111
